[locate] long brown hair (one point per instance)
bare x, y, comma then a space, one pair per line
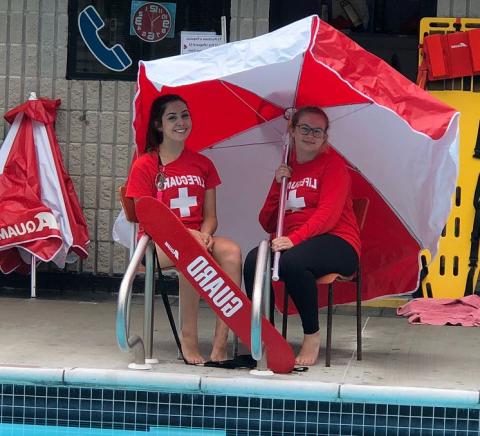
154, 135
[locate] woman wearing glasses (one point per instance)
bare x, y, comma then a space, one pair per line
321, 232
185, 181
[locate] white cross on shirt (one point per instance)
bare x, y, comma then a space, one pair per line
294, 202
183, 202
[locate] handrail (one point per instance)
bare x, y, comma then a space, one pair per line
260, 301
125, 342
281, 211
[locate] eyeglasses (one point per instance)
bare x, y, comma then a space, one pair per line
318, 132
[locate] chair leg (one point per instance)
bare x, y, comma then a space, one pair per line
359, 315
328, 351
285, 314
168, 308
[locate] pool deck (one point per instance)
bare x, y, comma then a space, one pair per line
71, 340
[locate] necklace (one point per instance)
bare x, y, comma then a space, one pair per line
160, 177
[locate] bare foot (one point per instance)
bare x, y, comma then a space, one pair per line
219, 354
190, 351
220, 341
309, 352
219, 350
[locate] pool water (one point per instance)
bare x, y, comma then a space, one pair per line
47, 430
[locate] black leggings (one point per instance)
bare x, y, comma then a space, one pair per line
301, 265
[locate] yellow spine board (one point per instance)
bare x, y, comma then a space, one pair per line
448, 272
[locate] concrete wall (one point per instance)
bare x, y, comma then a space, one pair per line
94, 120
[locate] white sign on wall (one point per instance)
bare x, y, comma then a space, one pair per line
191, 42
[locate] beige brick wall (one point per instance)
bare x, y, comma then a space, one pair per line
94, 121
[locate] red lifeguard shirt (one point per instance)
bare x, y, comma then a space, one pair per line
318, 201
186, 180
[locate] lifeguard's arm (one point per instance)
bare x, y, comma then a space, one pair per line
269, 212
334, 189
210, 223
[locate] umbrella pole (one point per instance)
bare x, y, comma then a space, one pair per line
33, 278
281, 211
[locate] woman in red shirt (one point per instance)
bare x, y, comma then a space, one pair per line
321, 232
186, 182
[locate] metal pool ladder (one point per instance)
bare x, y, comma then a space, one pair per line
141, 348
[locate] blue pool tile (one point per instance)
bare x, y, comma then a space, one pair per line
221, 412
253, 425
323, 417
357, 419
185, 409
335, 407
265, 414
381, 409
335, 418
267, 403
198, 411
357, 430
346, 418
253, 413
392, 421
369, 420
220, 400
427, 422
7, 400
335, 430
254, 402
265, 425
323, 406
233, 402
473, 426
300, 416
473, 414
381, 420
393, 409
277, 426
209, 411
119, 395
207, 422
427, 411
299, 427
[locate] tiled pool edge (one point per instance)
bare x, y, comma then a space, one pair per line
242, 386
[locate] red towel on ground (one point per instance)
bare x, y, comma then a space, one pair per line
463, 311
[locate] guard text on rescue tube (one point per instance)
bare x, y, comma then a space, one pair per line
214, 286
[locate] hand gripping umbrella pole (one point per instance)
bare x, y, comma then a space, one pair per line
281, 209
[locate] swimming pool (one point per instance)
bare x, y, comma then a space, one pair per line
93, 411
47, 430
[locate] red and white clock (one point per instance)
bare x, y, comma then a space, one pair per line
152, 22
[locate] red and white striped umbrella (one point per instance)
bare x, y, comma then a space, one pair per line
39, 210
400, 142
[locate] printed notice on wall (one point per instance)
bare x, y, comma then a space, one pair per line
191, 42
